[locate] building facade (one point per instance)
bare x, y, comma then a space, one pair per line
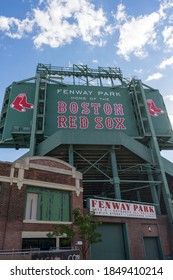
36, 193
94, 140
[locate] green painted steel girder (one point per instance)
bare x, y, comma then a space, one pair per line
34, 120
93, 138
157, 159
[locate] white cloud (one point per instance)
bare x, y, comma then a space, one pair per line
53, 29
166, 62
120, 15
15, 28
138, 71
5, 23
171, 119
168, 36
138, 33
57, 22
155, 76
135, 34
95, 61
169, 97
62, 21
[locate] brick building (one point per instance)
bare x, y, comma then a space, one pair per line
36, 193
39, 192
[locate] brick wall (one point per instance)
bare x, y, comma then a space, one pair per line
139, 228
12, 203
13, 199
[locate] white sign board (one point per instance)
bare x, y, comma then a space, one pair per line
121, 209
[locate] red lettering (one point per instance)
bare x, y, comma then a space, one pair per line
123, 207
62, 122
74, 107
83, 122
108, 204
99, 124
109, 123
135, 206
72, 122
151, 209
145, 208
101, 204
118, 109
93, 203
96, 107
62, 107
119, 123
128, 206
116, 205
86, 110
107, 109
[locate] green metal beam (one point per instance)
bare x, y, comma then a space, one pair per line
116, 180
153, 190
71, 154
135, 189
93, 138
140, 181
93, 164
157, 159
98, 181
34, 119
26, 80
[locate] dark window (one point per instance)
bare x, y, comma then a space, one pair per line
43, 244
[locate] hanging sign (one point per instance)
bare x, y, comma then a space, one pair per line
121, 209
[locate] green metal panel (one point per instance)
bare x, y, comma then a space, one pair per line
17, 117
152, 248
74, 108
34, 118
159, 117
56, 206
89, 108
52, 205
112, 246
66, 206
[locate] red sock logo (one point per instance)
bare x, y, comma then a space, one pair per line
153, 110
20, 103
24, 102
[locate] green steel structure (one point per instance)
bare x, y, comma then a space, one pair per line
110, 128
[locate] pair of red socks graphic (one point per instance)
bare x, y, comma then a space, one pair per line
153, 110
20, 103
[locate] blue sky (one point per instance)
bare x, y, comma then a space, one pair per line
136, 36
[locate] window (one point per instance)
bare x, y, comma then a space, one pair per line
43, 244
47, 205
31, 206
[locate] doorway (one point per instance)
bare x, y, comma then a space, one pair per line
152, 247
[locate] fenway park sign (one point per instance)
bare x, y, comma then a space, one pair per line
121, 209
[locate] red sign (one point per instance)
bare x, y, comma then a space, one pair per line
122, 209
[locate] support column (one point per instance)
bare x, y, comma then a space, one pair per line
116, 180
34, 119
70, 153
138, 196
155, 150
153, 191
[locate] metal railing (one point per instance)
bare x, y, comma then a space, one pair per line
19, 251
